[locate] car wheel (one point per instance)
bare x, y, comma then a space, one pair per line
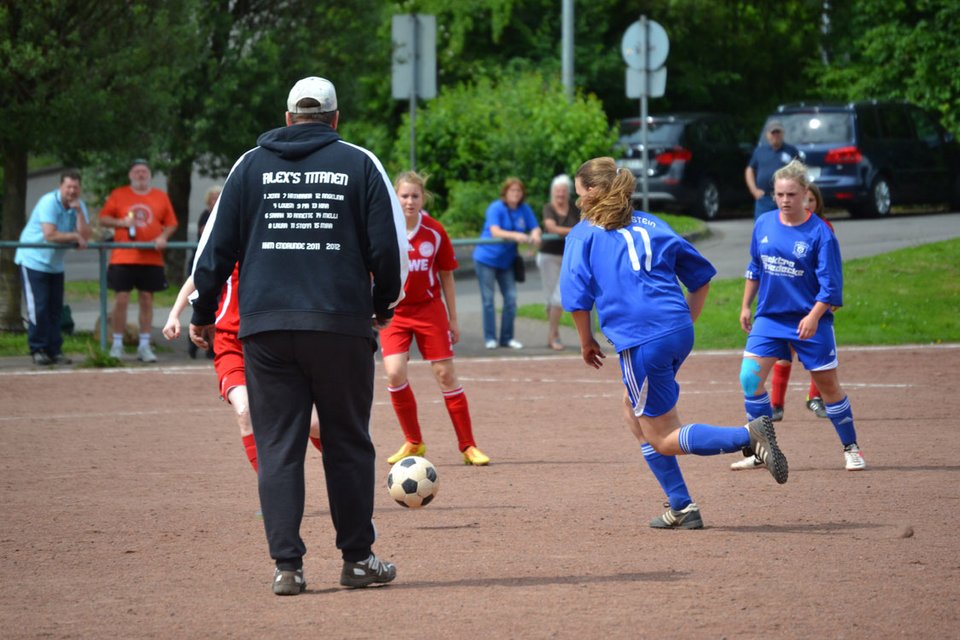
880, 202
708, 200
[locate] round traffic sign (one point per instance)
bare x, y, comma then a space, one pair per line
655, 42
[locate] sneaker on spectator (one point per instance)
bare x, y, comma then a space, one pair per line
145, 353
42, 358
514, 344
777, 414
853, 458
370, 571
116, 351
61, 359
490, 344
686, 518
288, 582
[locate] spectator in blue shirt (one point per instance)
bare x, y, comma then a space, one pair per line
60, 217
511, 219
766, 159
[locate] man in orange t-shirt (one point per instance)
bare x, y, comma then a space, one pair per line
138, 213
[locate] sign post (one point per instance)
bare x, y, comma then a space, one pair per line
645, 47
414, 65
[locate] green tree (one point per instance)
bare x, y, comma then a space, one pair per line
76, 78
233, 87
474, 135
890, 49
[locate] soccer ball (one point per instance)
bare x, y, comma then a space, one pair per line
413, 482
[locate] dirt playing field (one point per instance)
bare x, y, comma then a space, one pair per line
130, 511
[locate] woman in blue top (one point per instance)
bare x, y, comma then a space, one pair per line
796, 275
511, 219
627, 263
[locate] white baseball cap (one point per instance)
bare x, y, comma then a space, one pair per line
319, 89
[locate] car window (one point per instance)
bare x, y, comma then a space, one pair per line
657, 133
924, 126
717, 132
869, 126
894, 123
817, 128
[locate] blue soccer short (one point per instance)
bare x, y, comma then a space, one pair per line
650, 372
817, 353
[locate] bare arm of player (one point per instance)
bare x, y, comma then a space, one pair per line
171, 330
808, 326
750, 289
696, 300
450, 297
589, 348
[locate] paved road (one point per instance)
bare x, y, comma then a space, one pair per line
726, 248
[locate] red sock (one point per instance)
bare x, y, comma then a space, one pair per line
814, 392
778, 385
251, 448
405, 406
456, 401
316, 443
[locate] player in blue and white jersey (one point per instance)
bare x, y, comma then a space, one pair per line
627, 263
796, 276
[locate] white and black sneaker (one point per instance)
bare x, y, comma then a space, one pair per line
370, 571
288, 582
686, 518
763, 441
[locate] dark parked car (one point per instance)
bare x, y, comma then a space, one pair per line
868, 156
695, 161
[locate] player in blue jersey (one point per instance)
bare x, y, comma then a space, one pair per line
627, 263
796, 276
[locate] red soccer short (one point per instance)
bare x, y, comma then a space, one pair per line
228, 362
427, 323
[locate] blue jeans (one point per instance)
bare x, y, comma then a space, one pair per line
487, 276
764, 204
44, 295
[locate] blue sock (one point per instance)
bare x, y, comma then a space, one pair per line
842, 418
708, 440
666, 470
757, 406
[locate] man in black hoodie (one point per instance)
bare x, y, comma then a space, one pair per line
320, 239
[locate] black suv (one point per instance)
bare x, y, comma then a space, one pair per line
867, 156
696, 161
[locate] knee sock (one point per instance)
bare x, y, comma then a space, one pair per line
144, 340
118, 340
459, 410
405, 406
708, 440
316, 443
666, 470
757, 406
251, 448
778, 383
813, 392
842, 418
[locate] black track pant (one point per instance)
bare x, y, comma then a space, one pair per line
288, 372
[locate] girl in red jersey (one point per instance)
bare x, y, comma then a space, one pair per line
422, 315
228, 359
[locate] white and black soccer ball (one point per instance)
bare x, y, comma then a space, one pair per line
413, 482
